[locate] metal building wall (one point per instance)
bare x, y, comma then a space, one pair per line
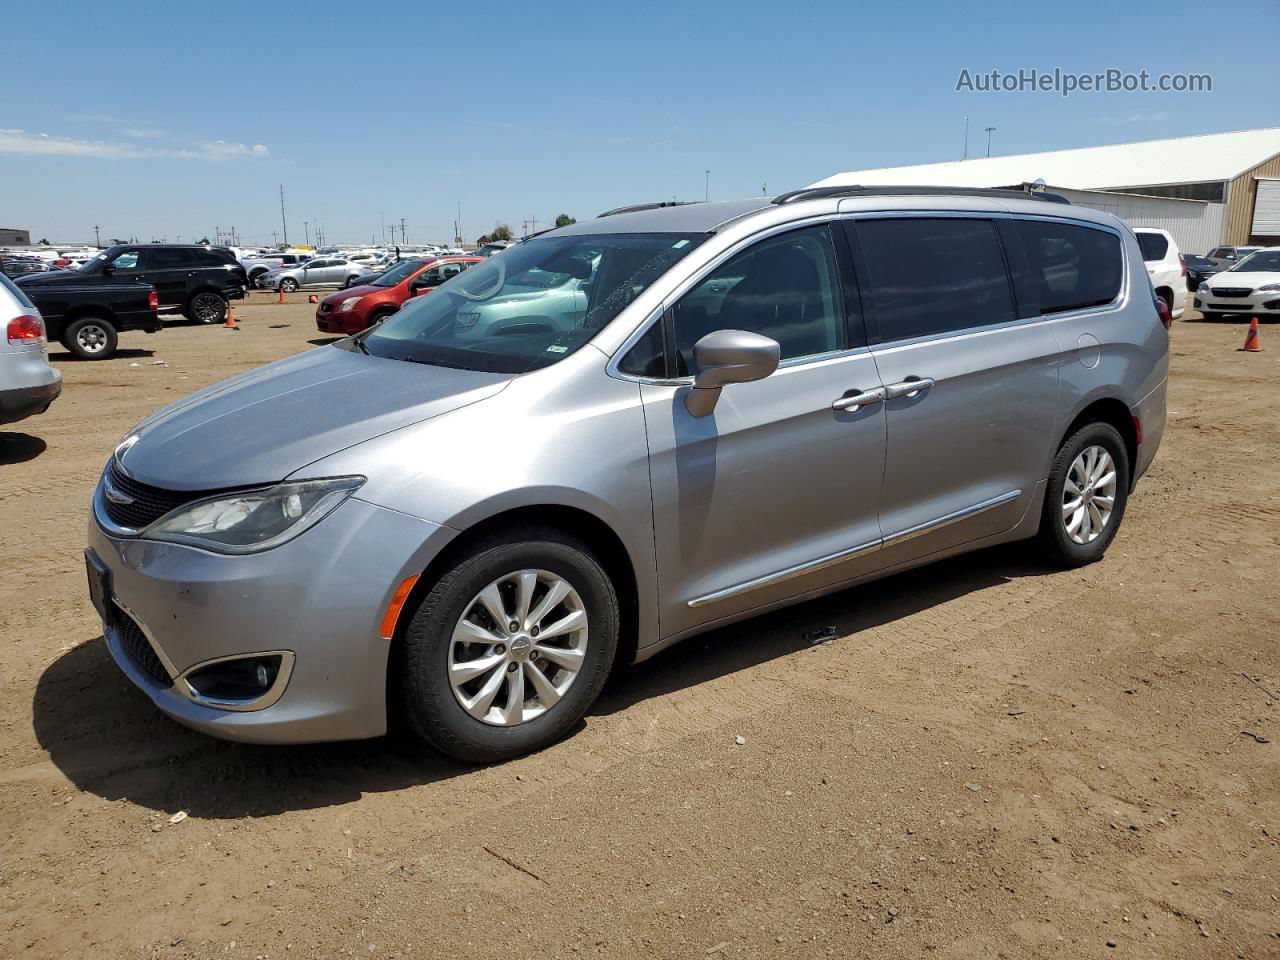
1240, 199
1196, 226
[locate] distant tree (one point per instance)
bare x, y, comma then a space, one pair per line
500, 232
564, 220
204, 240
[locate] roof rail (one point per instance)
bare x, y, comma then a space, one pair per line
856, 190
636, 207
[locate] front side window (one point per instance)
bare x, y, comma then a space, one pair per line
127, 260
930, 276
1070, 267
786, 288
535, 304
1153, 245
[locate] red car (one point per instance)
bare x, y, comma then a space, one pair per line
353, 309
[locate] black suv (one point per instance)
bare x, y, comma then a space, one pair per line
198, 280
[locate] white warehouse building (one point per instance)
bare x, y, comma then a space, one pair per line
1205, 190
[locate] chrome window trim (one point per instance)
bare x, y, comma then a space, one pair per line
840, 556
697, 276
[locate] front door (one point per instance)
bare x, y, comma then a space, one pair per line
774, 493
971, 389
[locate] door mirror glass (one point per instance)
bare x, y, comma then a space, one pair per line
728, 356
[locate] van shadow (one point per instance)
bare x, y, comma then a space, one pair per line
19, 447
109, 740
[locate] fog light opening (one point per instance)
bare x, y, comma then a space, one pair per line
240, 681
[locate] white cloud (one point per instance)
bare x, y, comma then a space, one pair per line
25, 143
141, 133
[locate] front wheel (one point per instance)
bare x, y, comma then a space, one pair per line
510, 647
90, 338
288, 285
1086, 495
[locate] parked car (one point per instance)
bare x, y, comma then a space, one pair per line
1199, 269
27, 383
87, 318
195, 279
258, 267
1164, 267
494, 246
13, 267
1250, 288
364, 279
321, 272
351, 310
1225, 257
736, 419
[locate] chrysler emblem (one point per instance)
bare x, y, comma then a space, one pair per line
114, 495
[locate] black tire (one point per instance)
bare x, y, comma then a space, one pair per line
427, 698
206, 307
378, 316
1054, 543
90, 338
289, 285
255, 277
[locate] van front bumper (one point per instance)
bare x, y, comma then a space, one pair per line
316, 602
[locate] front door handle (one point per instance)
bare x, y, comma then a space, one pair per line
863, 399
908, 388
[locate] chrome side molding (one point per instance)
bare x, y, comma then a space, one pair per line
830, 560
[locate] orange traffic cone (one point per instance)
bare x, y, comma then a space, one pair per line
280, 297
1252, 343
231, 319
313, 299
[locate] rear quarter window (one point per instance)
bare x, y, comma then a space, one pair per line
1070, 267
1153, 245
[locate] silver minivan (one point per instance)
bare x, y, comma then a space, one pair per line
758, 402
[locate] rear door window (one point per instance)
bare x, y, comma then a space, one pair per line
930, 276
1069, 266
1153, 246
161, 259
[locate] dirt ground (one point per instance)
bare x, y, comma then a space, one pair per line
990, 760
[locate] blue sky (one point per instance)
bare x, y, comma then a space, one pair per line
166, 119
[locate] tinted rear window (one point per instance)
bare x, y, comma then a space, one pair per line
17, 293
935, 276
161, 259
1071, 266
1153, 245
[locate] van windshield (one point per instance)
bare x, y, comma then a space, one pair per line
535, 304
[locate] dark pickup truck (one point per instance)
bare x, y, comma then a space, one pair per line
192, 278
87, 317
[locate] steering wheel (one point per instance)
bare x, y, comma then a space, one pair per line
502, 278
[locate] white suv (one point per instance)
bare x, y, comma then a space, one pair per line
27, 383
1165, 267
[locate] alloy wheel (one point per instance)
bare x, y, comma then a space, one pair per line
518, 647
1089, 494
206, 308
91, 338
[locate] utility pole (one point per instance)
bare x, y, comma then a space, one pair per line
706, 186
284, 224
274, 238
764, 189
989, 131
457, 224
402, 240
306, 232
965, 154
97, 240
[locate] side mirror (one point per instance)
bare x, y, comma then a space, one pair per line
724, 357
108, 269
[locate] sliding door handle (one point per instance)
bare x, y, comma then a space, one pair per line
908, 388
865, 399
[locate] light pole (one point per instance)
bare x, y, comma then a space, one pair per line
97, 240
284, 225
706, 186
306, 230
989, 132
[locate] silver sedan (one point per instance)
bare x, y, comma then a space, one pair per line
321, 272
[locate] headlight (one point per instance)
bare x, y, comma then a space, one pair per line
254, 520
1269, 288
1203, 288
349, 304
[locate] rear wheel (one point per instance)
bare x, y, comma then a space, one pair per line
90, 338
510, 647
206, 307
1086, 495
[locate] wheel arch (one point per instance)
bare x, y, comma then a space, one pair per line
1115, 412
584, 525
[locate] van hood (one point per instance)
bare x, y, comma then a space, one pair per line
265, 424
